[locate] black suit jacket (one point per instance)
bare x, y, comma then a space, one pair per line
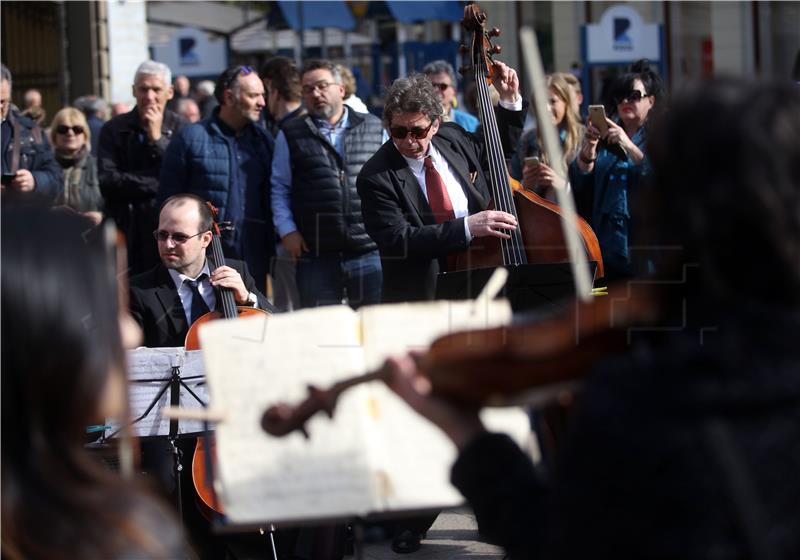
155, 305
398, 217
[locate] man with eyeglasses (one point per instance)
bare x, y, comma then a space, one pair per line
425, 193
167, 299
225, 159
27, 160
443, 78
130, 152
316, 208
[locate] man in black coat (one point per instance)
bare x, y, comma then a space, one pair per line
424, 195
164, 300
131, 149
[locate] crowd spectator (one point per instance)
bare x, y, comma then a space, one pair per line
350, 98
611, 165
32, 106
188, 109
28, 164
542, 178
282, 93
119, 108
96, 111
443, 78
70, 136
225, 159
316, 207
131, 149
181, 88
205, 98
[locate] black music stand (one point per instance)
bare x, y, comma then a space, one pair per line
539, 287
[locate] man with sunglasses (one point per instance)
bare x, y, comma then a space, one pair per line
130, 152
443, 78
166, 300
316, 208
226, 159
425, 193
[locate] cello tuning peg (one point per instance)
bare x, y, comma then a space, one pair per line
494, 32
496, 49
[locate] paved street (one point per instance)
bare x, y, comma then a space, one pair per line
454, 535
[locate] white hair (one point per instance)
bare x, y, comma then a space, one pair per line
153, 68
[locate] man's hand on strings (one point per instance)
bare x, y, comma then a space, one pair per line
491, 223
226, 277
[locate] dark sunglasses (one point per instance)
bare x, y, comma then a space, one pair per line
179, 238
442, 87
400, 132
631, 97
235, 73
63, 129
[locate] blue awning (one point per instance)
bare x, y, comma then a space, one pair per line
411, 12
315, 15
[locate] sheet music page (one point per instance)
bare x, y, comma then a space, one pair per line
255, 362
149, 369
413, 456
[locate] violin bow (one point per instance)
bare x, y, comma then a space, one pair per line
552, 146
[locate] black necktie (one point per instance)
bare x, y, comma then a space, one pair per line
199, 306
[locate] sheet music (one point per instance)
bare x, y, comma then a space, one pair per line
148, 370
255, 362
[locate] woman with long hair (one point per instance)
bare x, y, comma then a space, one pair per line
71, 140
63, 368
542, 178
610, 166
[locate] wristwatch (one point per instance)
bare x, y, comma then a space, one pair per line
586, 160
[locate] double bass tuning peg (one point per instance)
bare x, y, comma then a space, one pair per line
496, 49
494, 32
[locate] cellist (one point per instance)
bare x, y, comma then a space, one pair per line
424, 194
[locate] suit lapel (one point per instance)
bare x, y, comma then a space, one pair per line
460, 167
174, 317
410, 186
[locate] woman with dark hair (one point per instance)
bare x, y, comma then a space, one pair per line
611, 165
63, 368
687, 444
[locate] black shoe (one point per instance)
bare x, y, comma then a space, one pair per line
406, 542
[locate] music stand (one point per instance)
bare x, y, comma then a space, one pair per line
147, 392
541, 287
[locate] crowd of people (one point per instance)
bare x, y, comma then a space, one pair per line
684, 446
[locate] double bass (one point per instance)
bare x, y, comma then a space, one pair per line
229, 310
540, 236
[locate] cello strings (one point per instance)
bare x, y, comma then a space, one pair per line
226, 296
513, 251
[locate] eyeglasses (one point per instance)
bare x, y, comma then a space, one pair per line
631, 97
235, 73
442, 87
179, 238
400, 132
63, 129
318, 86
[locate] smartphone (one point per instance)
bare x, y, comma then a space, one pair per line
8, 177
532, 160
597, 115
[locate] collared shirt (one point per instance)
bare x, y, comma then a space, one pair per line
282, 170
454, 189
185, 292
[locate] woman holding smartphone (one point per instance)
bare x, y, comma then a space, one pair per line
529, 164
611, 163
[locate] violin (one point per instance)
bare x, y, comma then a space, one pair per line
540, 236
225, 299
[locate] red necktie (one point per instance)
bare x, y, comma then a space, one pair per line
438, 199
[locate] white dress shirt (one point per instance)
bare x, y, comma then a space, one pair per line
185, 292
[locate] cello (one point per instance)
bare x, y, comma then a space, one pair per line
200, 462
541, 236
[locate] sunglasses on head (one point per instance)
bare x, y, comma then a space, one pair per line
179, 238
400, 132
63, 129
238, 71
631, 97
441, 86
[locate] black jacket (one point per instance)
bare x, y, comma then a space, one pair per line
681, 448
155, 305
128, 167
397, 215
325, 203
25, 147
